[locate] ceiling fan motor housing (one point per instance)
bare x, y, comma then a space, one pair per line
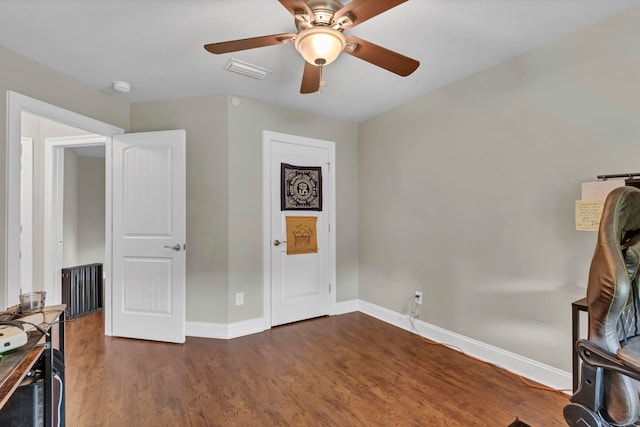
319, 40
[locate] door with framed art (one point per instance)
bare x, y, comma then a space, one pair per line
299, 228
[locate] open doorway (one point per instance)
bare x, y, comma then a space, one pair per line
74, 205
57, 212
18, 104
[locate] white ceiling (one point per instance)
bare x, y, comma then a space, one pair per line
157, 46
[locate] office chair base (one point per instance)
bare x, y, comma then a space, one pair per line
577, 415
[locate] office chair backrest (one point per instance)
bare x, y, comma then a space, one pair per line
612, 296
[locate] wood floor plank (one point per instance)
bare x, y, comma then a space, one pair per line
347, 370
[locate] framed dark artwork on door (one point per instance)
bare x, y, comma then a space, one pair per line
301, 188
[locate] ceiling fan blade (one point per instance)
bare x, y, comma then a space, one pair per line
251, 43
311, 78
384, 58
297, 6
362, 10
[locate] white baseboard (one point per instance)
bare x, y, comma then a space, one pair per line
528, 368
344, 307
224, 330
247, 327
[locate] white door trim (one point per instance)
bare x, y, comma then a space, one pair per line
54, 206
16, 103
26, 220
267, 136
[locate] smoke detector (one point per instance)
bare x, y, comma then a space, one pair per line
122, 87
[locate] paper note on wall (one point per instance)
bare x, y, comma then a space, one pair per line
589, 209
588, 213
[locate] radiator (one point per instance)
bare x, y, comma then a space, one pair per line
82, 289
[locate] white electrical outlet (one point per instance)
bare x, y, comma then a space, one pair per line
418, 297
240, 298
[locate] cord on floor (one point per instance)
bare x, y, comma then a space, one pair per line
524, 380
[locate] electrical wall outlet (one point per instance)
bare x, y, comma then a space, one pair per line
240, 298
418, 297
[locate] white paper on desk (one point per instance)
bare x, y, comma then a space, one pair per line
599, 190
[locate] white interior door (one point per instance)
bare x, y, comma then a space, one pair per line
301, 284
149, 233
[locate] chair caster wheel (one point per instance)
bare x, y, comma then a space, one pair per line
577, 415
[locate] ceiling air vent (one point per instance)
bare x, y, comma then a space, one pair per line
247, 69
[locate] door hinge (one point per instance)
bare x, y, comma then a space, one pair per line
329, 287
328, 166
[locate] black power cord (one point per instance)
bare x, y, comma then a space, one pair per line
12, 323
20, 324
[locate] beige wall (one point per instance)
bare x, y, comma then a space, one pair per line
467, 193
70, 218
84, 207
91, 206
24, 76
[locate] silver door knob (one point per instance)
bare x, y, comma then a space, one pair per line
175, 247
278, 242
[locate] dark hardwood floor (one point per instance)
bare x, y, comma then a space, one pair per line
347, 370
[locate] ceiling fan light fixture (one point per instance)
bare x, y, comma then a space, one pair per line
320, 45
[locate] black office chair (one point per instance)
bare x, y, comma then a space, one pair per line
608, 390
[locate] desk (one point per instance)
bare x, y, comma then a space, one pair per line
576, 308
15, 365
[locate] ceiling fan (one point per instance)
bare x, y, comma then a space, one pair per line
320, 38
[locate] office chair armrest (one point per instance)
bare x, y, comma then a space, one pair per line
598, 357
629, 357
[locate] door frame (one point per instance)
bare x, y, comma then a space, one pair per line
26, 216
16, 103
267, 137
53, 204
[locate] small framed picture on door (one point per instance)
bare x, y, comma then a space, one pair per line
301, 188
